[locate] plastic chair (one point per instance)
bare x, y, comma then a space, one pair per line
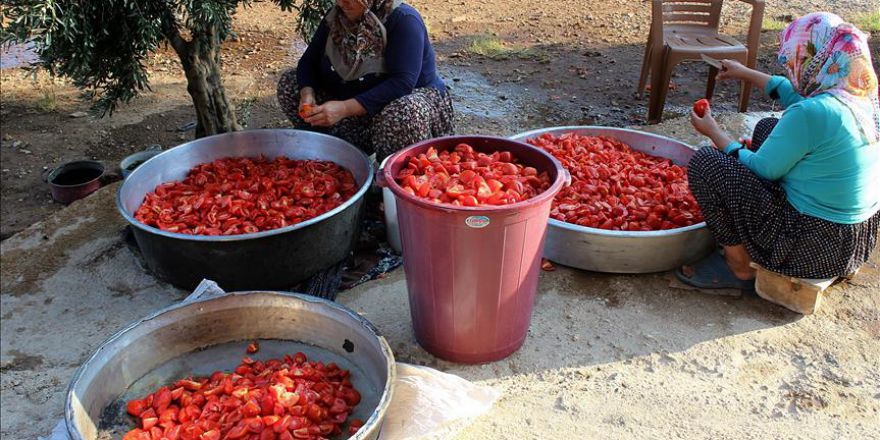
681, 30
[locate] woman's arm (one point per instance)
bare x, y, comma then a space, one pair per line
776, 87
308, 68
787, 144
780, 88
736, 71
707, 126
403, 63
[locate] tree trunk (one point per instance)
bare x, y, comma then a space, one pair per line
200, 58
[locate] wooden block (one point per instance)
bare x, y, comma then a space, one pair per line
799, 295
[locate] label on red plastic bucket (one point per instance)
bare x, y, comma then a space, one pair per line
477, 221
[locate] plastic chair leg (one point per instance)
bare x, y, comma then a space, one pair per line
710, 83
744, 96
646, 68
660, 77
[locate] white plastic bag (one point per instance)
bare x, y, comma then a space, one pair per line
430, 404
59, 432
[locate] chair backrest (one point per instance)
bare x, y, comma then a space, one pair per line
704, 13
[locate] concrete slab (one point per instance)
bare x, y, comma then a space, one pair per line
607, 356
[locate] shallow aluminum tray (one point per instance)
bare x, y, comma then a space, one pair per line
202, 336
602, 250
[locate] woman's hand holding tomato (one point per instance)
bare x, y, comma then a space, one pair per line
707, 126
704, 123
327, 114
701, 107
306, 102
330, 113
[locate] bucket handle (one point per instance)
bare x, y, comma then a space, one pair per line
380, 180
44, 176
566, 178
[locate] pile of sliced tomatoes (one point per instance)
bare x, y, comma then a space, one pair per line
283, 399
245, 195
464, 177
617, 188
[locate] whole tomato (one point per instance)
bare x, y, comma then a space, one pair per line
701, 106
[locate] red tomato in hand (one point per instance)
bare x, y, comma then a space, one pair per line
701, 106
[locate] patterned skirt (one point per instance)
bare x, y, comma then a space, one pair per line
423, 114
742, 208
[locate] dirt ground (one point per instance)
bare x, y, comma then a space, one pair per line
607, 356
567, 62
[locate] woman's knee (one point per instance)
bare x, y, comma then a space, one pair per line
405, 118
762, 131
766, 125
405, 105
288, 78
704, 160
288, 93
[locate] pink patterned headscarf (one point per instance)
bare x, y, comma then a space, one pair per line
824, 54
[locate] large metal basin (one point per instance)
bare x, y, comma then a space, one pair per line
276, 259
602, 250
200, 337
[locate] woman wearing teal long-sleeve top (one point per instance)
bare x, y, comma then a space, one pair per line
804, 200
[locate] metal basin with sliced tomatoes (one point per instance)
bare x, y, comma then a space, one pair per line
206, 338
627, 251
276, 255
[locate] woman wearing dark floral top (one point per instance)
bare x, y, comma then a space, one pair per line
369, 76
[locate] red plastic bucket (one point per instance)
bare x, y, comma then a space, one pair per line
472, 272
74, 180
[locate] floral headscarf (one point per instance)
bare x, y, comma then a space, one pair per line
358, 48
823, 54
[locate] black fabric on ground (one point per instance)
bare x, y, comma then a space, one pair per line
372, 256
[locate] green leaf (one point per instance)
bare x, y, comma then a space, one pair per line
311, 12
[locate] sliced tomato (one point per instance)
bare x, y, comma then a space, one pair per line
136, 407
468, 200
640, 192
253, 347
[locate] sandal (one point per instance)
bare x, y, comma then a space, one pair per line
713, 272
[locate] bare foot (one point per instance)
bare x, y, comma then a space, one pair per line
747, 275
687, 271
739, 262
